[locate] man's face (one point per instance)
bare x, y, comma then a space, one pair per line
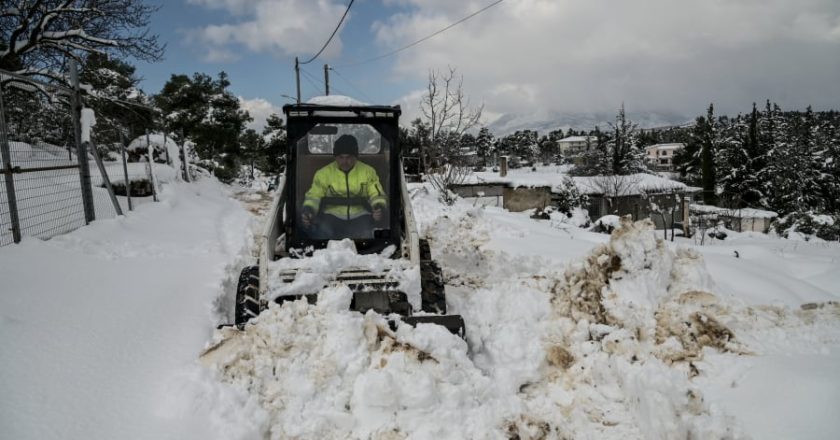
345, 162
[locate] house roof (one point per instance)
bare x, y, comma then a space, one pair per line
571, 139
743, 212
676, 146
555, 178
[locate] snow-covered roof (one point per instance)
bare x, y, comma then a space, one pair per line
743, 212
676, 146
571, 139
630, 185
555, 177
336, 100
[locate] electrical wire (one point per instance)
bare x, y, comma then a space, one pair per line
365, 95
312, 79
408, 46
332, 35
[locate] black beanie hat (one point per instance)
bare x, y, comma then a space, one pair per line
346, 144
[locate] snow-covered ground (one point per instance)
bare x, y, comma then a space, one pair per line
570, 334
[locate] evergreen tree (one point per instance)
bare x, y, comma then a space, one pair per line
253, 148
627, 156
115, 87
708, 148
204, 111
274, 133
484, 144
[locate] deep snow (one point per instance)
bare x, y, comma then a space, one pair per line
570, 334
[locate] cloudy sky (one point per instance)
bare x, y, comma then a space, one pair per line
520, 56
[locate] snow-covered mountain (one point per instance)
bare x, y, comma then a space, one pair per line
548, 120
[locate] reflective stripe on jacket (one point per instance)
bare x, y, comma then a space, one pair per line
360, 182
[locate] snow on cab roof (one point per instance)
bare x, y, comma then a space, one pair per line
336, 100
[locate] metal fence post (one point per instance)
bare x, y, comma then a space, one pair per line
125, 170
81, 148
151, 165
184, 160
8, 170
106, 179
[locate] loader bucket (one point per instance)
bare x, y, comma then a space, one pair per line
453, 323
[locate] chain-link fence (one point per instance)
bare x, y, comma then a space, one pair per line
46, 189
41, 189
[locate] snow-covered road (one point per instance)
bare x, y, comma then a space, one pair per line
100, 330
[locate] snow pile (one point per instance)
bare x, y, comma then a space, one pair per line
602, 348
616, 349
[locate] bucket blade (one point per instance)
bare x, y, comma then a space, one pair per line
223, 350
453, 323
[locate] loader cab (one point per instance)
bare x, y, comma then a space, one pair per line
312, 134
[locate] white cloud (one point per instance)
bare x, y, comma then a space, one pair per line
259, 109
573, 55
279, 27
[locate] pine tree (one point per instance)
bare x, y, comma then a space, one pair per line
708, 147
627, 156
274, 133
484, 144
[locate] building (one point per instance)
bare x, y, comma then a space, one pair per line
640, 196
575, 144
740, 220
660, 157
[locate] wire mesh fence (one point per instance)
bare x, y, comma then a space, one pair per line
41, 193
46, 189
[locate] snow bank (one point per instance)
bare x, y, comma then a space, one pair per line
100, 337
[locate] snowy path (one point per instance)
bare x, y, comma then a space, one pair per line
100, 330
97, 327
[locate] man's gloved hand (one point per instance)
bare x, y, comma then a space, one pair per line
307, 217
377, 213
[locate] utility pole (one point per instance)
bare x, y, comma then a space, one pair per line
297, 78
327, 78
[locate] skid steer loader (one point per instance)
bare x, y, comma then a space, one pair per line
312, 132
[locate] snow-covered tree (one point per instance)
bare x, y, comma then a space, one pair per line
38, 37
204, 111
484, 144
627, 156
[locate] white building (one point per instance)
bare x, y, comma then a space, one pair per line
661, 156
575, 143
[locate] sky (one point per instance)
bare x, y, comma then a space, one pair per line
521, 56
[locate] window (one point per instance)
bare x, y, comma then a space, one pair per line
343, 203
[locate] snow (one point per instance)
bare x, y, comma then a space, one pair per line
554, 177
570, 334
743, 212
335, 100
88, 120
105, 324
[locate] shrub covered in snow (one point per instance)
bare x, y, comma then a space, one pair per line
806, 225
568, 196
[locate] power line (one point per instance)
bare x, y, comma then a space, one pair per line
308, 78
312, 79
352, 85
332, 35
394, 52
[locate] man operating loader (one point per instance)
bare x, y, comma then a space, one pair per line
346, 198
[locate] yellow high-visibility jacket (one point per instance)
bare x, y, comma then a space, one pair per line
360, 182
